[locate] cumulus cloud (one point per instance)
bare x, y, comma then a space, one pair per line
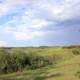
63, 9
28, 35
38, 19
23, 33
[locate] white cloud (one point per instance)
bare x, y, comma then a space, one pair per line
28, 35
7, 29
22, 36
29, 25
30, 20
38, 24
26, 28
3, 44
66, 10
10, 5
24, 32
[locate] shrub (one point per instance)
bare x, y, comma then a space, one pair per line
17, 59
75, 52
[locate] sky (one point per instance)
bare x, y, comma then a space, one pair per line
39, 22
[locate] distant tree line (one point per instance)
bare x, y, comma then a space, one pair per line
70, 47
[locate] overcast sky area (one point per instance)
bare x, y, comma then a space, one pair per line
39, 22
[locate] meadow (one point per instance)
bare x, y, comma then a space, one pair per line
40, 63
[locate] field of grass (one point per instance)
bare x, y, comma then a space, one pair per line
66, 67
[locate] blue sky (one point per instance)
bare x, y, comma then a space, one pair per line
39, 22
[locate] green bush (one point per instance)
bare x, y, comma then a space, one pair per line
12, 60
76, 52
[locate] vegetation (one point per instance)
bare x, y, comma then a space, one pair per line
40, 63
17, 59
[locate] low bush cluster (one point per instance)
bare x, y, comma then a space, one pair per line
76, 52
17, 60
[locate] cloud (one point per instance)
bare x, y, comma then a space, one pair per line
9, 5
26, 28
24, 20
28, 35
3, 44
54, 10
8, 30
39, 16
26, 31
22, 33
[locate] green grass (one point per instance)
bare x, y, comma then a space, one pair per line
68, 68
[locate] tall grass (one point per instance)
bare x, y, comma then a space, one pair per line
18, 59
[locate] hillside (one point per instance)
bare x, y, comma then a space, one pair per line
47, 63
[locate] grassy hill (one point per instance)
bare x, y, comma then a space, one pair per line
46, 63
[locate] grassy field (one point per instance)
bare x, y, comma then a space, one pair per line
66, 67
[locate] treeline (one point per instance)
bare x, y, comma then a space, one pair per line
70, 47
18, 59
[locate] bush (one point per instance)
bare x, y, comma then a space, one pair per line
18, 59
76, 52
